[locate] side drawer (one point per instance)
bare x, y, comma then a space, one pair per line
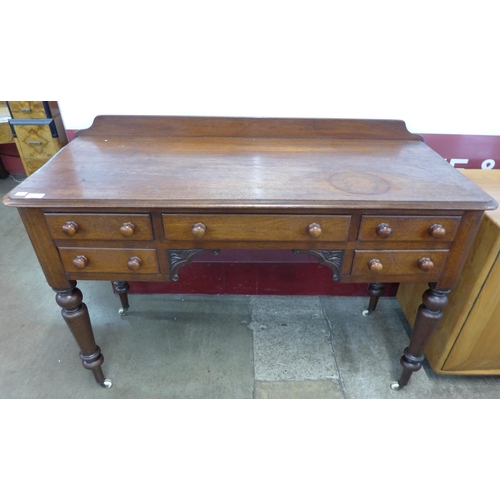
100, 226
110, 260
376, 228
256, 227
400, 262
32, 165
5, 131
36, 140
29, 109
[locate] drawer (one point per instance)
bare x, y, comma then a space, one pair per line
100, 226
400, 262
29, 109
32, 165
109, 260
376, 228
36, 141
255, 227
5, 131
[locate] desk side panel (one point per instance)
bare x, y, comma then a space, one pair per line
45, 249
460, 248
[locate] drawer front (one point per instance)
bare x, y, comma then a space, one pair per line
401, 262
255, 227
36, 141
32, 165
28, 109
110, 260
100, 227
377, 228
5, 132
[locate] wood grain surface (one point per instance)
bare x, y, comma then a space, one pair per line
248, 172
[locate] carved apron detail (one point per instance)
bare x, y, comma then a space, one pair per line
179, 258
330, 258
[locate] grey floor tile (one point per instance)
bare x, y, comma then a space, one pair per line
194, 347
16, 251
166, 347
298, 389
368, 349
291, 339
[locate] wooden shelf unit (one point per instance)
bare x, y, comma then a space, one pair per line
37, 130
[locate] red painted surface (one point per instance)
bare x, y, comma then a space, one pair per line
282, 273
10, 159
466, 151
256, 278
71, 134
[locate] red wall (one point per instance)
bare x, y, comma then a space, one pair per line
467, 151
10, 159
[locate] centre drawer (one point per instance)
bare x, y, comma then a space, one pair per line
377, 228
100, 226
109, 260
256, 227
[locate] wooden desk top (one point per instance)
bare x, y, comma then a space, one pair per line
249, 165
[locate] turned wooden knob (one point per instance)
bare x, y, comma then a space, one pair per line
70, 228
199, 230
314, 230
437, 231
375, 265
426, 264
134, 263
80, 262
384, 230
127, 229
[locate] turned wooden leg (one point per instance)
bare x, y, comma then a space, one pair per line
76, 315
121, 288
428, 316
376, 291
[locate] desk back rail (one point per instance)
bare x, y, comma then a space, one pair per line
182, 126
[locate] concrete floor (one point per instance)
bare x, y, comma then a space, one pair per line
193, 346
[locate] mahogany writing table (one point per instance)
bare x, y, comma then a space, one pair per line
136, 198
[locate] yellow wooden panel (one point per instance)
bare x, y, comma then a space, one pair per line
35, 141
27, 109
465, 341
5, 133
5, 130
32, 165
489, 181
478, 344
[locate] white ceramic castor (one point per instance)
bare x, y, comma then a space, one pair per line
107, 383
